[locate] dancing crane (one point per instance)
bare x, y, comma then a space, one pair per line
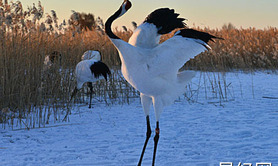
90, 70
153, 68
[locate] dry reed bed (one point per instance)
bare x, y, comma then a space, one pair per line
31, 95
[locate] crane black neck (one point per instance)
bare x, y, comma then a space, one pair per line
109, 22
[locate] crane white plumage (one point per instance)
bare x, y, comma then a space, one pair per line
91, 54
153, 68
90, 70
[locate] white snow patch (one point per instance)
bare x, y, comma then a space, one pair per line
192, 133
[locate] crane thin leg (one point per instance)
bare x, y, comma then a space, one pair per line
91, 93
156, 138
148, 135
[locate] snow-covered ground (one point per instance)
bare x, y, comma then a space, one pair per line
201, 132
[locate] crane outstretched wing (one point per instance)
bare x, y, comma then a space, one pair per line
157, 23
171, 55
165, 20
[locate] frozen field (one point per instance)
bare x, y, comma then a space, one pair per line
202, 132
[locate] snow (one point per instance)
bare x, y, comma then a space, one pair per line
203, 131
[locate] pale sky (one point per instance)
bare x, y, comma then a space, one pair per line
203, 13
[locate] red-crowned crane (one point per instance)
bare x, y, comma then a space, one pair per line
90, 70
153, 68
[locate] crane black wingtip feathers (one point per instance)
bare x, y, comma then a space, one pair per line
166, 20
201, 37
191, 33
